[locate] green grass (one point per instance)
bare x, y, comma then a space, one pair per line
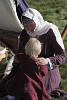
54, 11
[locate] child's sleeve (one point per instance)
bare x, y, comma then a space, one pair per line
43, 70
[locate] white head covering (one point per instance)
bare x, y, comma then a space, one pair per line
42, 27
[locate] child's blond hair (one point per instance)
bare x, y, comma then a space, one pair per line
33, 47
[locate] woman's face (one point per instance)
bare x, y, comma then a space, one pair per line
30, 26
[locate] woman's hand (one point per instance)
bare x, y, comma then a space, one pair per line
41, 61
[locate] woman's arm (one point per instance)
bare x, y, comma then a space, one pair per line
57, 47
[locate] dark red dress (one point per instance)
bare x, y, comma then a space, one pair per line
28, 81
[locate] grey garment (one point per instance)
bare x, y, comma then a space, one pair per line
52, 80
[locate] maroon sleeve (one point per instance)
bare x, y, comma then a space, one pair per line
59, 54
43, 70
58, 59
